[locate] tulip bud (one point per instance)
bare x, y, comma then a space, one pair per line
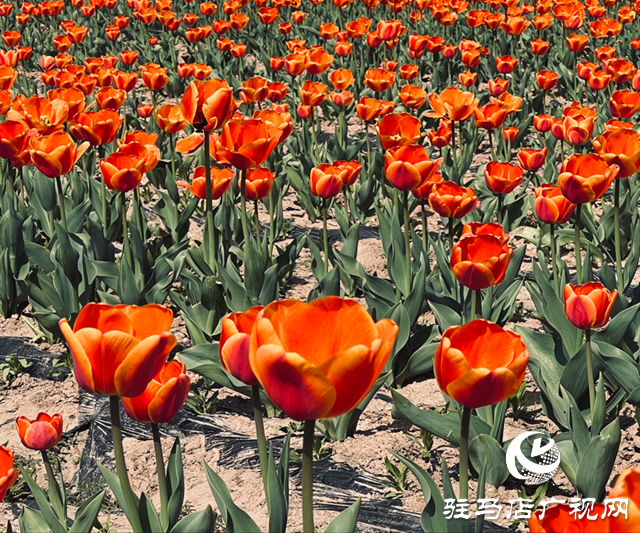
40, 434
588, 306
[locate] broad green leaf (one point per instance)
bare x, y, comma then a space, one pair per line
346, 521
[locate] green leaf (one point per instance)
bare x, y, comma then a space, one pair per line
148, 516
446, 426
54, 524
617, 327
175, 483
276, 503
201, 522
87, 514
346, 521
597, 462
486, 453
32, 521
236, 520
114, 484
445, 316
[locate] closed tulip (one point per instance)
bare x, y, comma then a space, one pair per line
588, 306
121, 172
546, 80
319, 360
413, 96
163, 398
341, 79
254, 90
234, 344
502, 178
408, 167
480, 261
208, 105
220, 181
117, 350
398, 129
246, 144
480, 364
258, 183
40, 434
585, 178
532, 160
170, 118
313, 93
8, 474
624, 104
317, 61
450, 200
481, 228
578, 129
551, 206
622, 148
97, 127
379, 80
327, 180
490, 116
56, 154
154, 76
506, 64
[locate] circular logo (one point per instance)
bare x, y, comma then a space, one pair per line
542, 463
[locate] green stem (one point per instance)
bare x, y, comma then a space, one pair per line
121, 465
345, 192
499, 213
578, 252
211, 227
474, 296
243, 206
464, 453
450, 234
257, 223
138, 211
272, 225
554, 266
262, 441
162, 482
125, 230
105, 221
53, 484
425, 229
307, 477
478, 309
616, 222
592, 388
407, 237
325, 236
63, 212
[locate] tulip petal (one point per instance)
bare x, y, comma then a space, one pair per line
327, 326
294, 385
150, 319
169, 399
142, 363
482, 387
485, 345
40, 436
104, 318
137, 408
235, 358
581, 311
116, 347
90, 338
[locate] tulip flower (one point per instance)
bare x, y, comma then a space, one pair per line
398, 129
407, 167
478, 364
379, 80
627, 486
234, 344
164, 396
624, 104
258, 184
208, 105
442, 136
55, 155
8, 474
246, 144
589, 306
220, 181
97, 128
170, 119
413, 96
480, 261
121, 172
480, 228
546, 80
14, 138
532, 160
490, 116
40, 434
502, 178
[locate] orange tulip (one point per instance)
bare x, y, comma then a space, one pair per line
170, 119
453, 103
442, 136
294, 64
369, 109
341, 79
164, 396
506, 64
39, 113
110, 98
408, 167
40, 434
620, 69
539, 47
480, 261
578, 129
55, 155
254, 90
97, 127
598, 80
624, 104
450, 200
128, 57
551, 206
327, 180
276, 91
117, 350
379, 80
409, 72
313, 93
479, 228
8, 474
490, 116
546, 80
542, 123
480, 364
413, 96
74, 99
398, 129
317, 60
497, 86
577, 43
588, 306
258, 183
622, 148
627, 486
561, 518
502, 178
14, 138
144, 111
424, 190
353, 169
234, 344
318, 360
208, 105
122, 172
220, 181
532, 160
246, 144
585, 178
468, 79
154, 76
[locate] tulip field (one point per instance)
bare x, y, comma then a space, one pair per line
319, 266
